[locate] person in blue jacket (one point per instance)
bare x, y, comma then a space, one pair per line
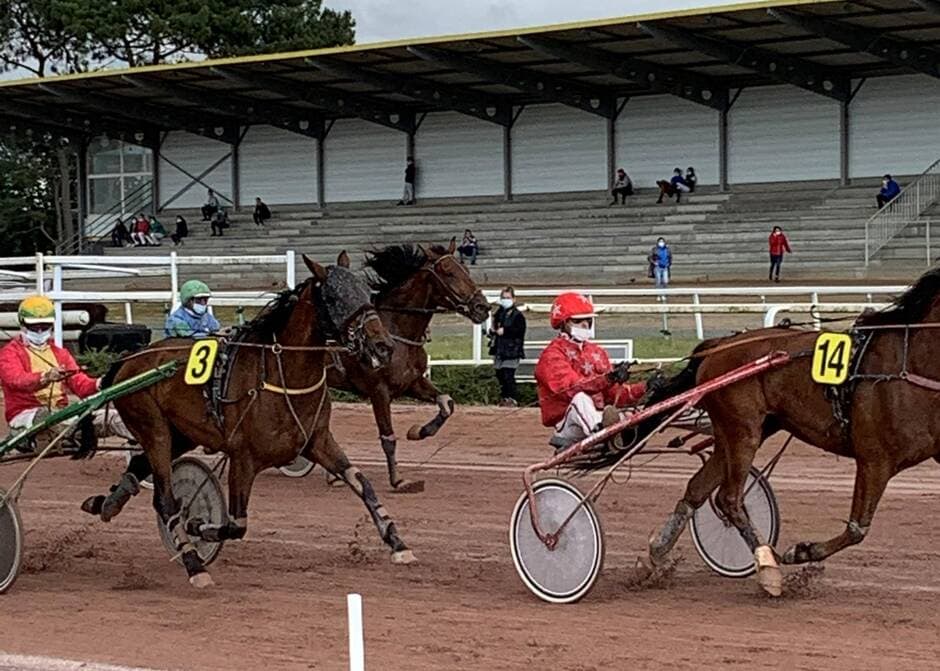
889, 191
660, 260
192, 318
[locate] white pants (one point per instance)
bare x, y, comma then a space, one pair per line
409, 192
581, 419
107, 422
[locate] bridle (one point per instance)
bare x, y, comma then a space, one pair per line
355, 329
454, 301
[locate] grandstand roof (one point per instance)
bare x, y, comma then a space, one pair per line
702, 55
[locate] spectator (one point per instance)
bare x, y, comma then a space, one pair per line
141, 234
211, 206
156, 230
691, 179
507, 346
660, 259
182, 231
469, 247
261, 213
889, 191
408, 198
219, 222
120, 236
778, 245
623, 187
676, 186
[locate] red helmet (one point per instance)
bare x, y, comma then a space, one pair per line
570, 305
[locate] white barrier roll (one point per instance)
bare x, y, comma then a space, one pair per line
68, 335
69, 318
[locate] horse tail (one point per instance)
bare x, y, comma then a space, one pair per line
602, 456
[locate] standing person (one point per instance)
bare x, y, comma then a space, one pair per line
623, 187
408, 197
182, 230
192, 318
469, 247
211, 206
778, 244
262, 213
889, 191
660, 259
508, 339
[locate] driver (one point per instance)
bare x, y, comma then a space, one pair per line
579, 391
36, 375
192, 318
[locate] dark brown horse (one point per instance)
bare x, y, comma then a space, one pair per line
276, 405
413, 284
884, 416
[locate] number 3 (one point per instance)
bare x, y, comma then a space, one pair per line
201, 359
831, 358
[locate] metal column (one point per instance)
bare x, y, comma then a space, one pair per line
723, 150
507, 162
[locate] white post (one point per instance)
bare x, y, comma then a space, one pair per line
291, 269
815, 299
478, 343
40, 274
128, 313
174, 282
357, 653
56, 288
699, 328
929, 258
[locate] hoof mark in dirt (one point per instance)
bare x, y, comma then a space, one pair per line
659, 577
803, 583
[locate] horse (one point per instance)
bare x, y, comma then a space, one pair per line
412, 283
270, 413
883, 416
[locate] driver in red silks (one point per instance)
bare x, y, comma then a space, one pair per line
579, 391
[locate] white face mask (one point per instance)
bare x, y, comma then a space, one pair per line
660, 244
505, 303
580, 334
37, 338
200, 309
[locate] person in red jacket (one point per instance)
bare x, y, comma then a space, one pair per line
778, 245
579, 391
36, 376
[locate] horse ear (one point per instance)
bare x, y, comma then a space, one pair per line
343, 259
315, 268
422, 250
452, 247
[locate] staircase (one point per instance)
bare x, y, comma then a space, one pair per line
906, 209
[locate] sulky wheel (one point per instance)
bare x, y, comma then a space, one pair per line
200, 496
146, 483
11, 542
567, 572
718, 541
298, 468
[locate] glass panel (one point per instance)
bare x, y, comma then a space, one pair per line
103, 194
137, 196
136, 158
104, 156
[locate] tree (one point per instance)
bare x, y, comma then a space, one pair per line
44, 36
28, 172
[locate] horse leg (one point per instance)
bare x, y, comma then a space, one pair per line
325, 451
241, 477
423, 390
382, 410
871, 478
700, 486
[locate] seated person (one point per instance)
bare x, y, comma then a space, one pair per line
469, 247
676, 186
623, 187
579, 391
210, 207
141, 232
262, 212
120, 236
691, 179
182, 230
192, 318
219, 222
889, 191
36, 375
157, 232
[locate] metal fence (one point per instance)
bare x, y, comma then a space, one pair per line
903, 211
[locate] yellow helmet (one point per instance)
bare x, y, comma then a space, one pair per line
36, 310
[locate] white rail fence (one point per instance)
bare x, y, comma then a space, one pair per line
903, 211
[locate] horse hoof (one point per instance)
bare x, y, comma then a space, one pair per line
769, 575
409, 487
334, 481
404, 557
92, 505
414, 433
201, 580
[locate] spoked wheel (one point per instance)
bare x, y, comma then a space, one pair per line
11, 543
201, 497
567, 572
146, 483
718, 541
298, 468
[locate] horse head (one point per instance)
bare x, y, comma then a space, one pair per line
453, 286
347, 303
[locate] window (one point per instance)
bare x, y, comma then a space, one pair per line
119, 177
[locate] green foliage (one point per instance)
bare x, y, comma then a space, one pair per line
28, 174
96, 361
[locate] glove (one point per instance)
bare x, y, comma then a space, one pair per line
54, 375
620, 373
656, 382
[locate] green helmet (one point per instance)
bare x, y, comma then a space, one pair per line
193, 289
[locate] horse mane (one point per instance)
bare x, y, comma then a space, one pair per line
273, 316
390, 267
910, 307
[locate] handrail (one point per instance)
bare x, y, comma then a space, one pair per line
905, 209
138, 198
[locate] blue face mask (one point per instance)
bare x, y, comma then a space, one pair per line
199, 309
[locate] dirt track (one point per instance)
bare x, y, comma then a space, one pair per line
108, 593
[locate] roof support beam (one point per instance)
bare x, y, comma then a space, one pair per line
244, 110
43, 115
544, 86
444, 96
782, 68
26, 126
932, 6
336, 102
680, 83
887, 47
212, 127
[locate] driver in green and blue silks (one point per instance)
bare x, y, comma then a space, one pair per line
192, 318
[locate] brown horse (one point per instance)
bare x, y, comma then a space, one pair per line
884, 416
276, 405
412, 283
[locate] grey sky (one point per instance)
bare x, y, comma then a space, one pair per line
394, 19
